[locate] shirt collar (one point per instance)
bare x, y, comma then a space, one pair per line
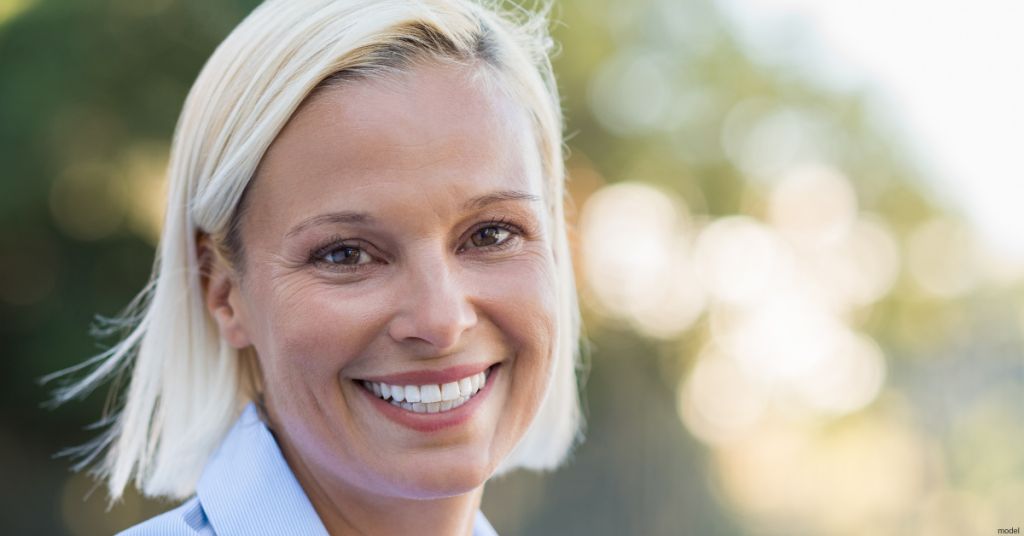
247, 488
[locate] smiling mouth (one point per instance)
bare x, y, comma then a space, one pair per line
430, 398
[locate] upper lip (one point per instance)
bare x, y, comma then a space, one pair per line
430, 377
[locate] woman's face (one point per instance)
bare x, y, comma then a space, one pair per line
396, 235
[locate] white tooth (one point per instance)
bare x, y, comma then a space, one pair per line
376, 388
396, 403
430, 393
385, 391
487, 373
433, 407
483, 380
412, 393
459, 401
446, 405
406, 405
465, 386
398, 392
474, 384
450, 391
419, 408
367, 385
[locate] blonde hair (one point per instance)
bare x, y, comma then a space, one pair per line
187, 383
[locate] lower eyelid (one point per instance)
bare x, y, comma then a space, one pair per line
513, 238
346, 268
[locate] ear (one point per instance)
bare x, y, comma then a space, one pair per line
221, 293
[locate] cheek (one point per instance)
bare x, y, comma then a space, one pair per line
530, 301
307, 330
524, 309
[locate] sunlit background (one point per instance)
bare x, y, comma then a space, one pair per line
799, 244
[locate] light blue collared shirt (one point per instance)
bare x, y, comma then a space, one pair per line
247, 489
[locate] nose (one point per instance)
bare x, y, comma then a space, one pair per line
435, 309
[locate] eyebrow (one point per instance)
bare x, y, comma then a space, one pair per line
362, 218
334, 217
482, 201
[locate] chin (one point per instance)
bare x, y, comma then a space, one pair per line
451, 475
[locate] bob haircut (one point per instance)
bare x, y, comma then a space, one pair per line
187, 383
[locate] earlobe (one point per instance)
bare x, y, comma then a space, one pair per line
220, 291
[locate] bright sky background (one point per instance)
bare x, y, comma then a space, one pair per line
951, 72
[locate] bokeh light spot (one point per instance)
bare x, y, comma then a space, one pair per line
629, 94
719, 402
738, 258
814, 206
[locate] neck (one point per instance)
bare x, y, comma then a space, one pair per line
395, 516
348, 511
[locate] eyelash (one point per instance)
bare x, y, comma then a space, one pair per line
317, 254
514, 231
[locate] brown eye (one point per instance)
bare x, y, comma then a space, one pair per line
348, 255
489, 236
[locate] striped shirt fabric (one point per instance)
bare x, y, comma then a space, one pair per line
247, 489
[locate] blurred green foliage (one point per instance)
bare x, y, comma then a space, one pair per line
81, 82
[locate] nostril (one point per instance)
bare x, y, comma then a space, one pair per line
438, 320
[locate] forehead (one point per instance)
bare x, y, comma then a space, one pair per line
432, 135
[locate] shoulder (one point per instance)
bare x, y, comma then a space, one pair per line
185, 520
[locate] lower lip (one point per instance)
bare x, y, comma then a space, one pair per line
434, 422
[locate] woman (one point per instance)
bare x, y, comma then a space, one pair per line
364, 268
